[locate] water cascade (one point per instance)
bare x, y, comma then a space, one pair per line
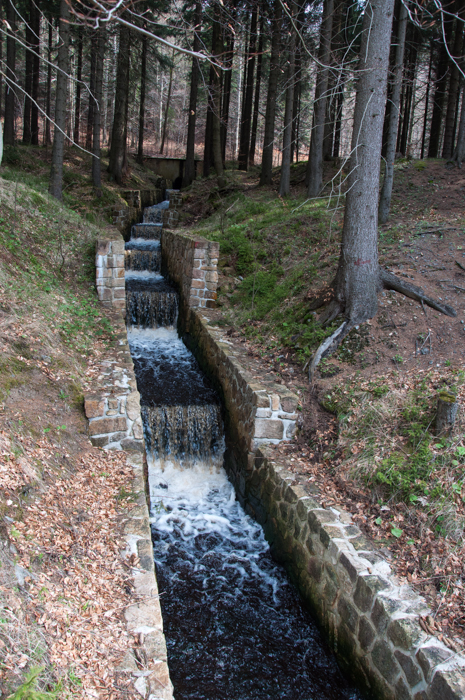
235, 627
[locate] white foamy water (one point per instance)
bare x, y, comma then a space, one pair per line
142, 275
144, 243
197, 500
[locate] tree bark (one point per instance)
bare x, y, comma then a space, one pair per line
459, 153
442, 74
143, 80
247, 104
258, 81
285, 179
27, 82
216, 104
314, 178
227, 79
211, 100
96, 162
386, 192
56, 171
77, 106
357, 280
167, 106
425, 115
91, 107
35, 25
189, 165
117, 156
266, 175
10, 96
48, 99
451, 111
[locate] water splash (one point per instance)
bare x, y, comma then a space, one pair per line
235, 627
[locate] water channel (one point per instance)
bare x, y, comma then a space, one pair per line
235, 627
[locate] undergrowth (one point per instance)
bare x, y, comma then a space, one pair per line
387, 442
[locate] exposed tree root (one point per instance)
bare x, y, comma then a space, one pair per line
390, 281
335, 308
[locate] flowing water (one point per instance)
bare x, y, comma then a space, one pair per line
235, 627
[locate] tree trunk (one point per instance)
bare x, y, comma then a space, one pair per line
1, 76
409, 86
91, 108
450, 123
56, 172
117, 156
48, 99
314, 178
189, 165
256, 106
35, 23
216, 104
442, 74
357, 279
211, 99
143, 78
285, 179
10, 96
459, 153
77, 106
268, 141
96, 162
227, 80
244, 138
425, 116
27, 84
386, 192
167, 106
296, 104
338, 122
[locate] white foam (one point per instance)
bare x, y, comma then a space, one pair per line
142, 275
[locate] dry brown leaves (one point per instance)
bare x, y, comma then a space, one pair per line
69, 540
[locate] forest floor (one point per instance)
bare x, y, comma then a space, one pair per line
366, 435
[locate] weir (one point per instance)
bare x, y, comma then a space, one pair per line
234, 625
371, 619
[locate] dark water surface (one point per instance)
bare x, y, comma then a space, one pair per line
235, 627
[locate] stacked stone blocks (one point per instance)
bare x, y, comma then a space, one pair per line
191, 263
109, 264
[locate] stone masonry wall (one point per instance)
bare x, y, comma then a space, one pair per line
109, 268
191, 262
256, 412
370, 619
113, 409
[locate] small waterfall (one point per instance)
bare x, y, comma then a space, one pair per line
150, 301
184, 432
142, 259
146, 231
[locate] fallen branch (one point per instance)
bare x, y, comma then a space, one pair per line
460, 265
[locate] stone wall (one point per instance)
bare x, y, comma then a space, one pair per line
191, 263
257, 412
113, 409
109, 269
368, 617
